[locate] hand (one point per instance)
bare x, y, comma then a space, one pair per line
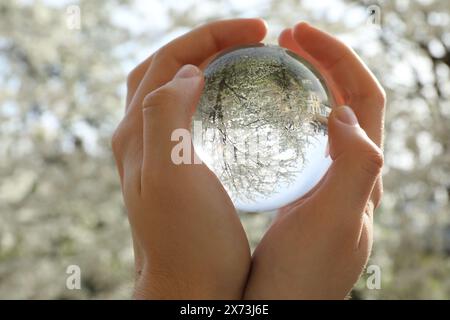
318, 246
188, 240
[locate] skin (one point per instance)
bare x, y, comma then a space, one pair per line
191, 246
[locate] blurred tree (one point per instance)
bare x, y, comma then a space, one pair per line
60, 200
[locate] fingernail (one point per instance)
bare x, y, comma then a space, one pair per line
346, 115
187, 71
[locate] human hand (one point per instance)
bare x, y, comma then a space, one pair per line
318, 246
188, 240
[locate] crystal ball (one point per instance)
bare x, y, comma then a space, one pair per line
261, 125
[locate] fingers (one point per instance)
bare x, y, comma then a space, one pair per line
356, 83
349, 79
357, 162
338, 59
167, 117
195, 47
286, 39
191, 48
134, 78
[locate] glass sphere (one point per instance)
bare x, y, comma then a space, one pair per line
261, 125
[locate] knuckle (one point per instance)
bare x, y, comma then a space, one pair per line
373, 163
132, 77
374, 98
162, 96
117, 140
161, 53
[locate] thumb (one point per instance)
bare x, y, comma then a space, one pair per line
357, 163
169, 108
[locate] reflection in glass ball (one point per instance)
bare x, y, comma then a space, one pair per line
261, 125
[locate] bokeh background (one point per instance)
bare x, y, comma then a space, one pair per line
62, 92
